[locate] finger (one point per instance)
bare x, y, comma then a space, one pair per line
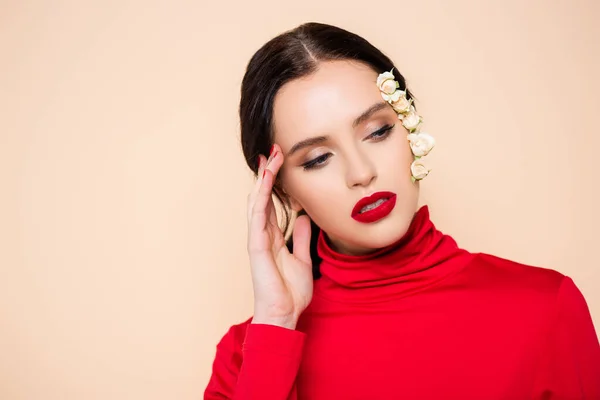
259, 212
262, 161
301, 239
276, 160
272, 212
273, 164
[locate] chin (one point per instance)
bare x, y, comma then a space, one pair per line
367, 239
388, 235
361, 238
392, 230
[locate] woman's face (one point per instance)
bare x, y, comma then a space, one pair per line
354, 145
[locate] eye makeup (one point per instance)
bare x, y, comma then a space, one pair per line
377, 136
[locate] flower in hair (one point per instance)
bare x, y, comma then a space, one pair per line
387, 83
418, 170
410, 119
420, 143
402, 105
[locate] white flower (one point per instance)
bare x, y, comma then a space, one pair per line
411, 120
389, 86
386, 76
421, 143
418, 170
402, 105
391, 98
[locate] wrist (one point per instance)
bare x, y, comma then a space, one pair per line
284, 322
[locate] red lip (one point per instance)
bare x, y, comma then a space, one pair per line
377, 213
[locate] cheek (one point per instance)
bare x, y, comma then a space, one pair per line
314, 191
395, 156
321, 193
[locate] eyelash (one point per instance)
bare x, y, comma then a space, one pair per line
378, 135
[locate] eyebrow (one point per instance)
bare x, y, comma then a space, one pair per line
357, 121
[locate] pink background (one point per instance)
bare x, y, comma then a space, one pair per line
123, 188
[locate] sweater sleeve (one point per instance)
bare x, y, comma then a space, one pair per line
256, 361
570, 362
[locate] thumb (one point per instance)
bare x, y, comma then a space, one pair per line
301, 239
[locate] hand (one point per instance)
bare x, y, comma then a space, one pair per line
282, 281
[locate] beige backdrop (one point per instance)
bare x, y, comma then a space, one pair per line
123, 186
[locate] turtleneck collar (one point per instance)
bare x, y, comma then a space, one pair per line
422, 257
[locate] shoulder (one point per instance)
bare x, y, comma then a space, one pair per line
518, 281
541, 294
503, 270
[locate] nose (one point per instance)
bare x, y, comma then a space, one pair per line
360, 170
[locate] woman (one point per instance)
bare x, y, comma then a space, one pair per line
368, 300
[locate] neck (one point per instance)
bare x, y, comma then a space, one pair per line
423, 256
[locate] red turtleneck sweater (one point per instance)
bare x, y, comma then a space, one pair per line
419, 319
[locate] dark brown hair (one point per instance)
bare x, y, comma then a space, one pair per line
292, 55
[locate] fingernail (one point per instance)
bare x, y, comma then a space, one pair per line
264, 172
271, 150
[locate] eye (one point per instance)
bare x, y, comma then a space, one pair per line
381, 133
316, 162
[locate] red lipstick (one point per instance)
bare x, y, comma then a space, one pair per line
387, 202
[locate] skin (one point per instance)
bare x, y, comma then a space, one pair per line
325, 104
351, 163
